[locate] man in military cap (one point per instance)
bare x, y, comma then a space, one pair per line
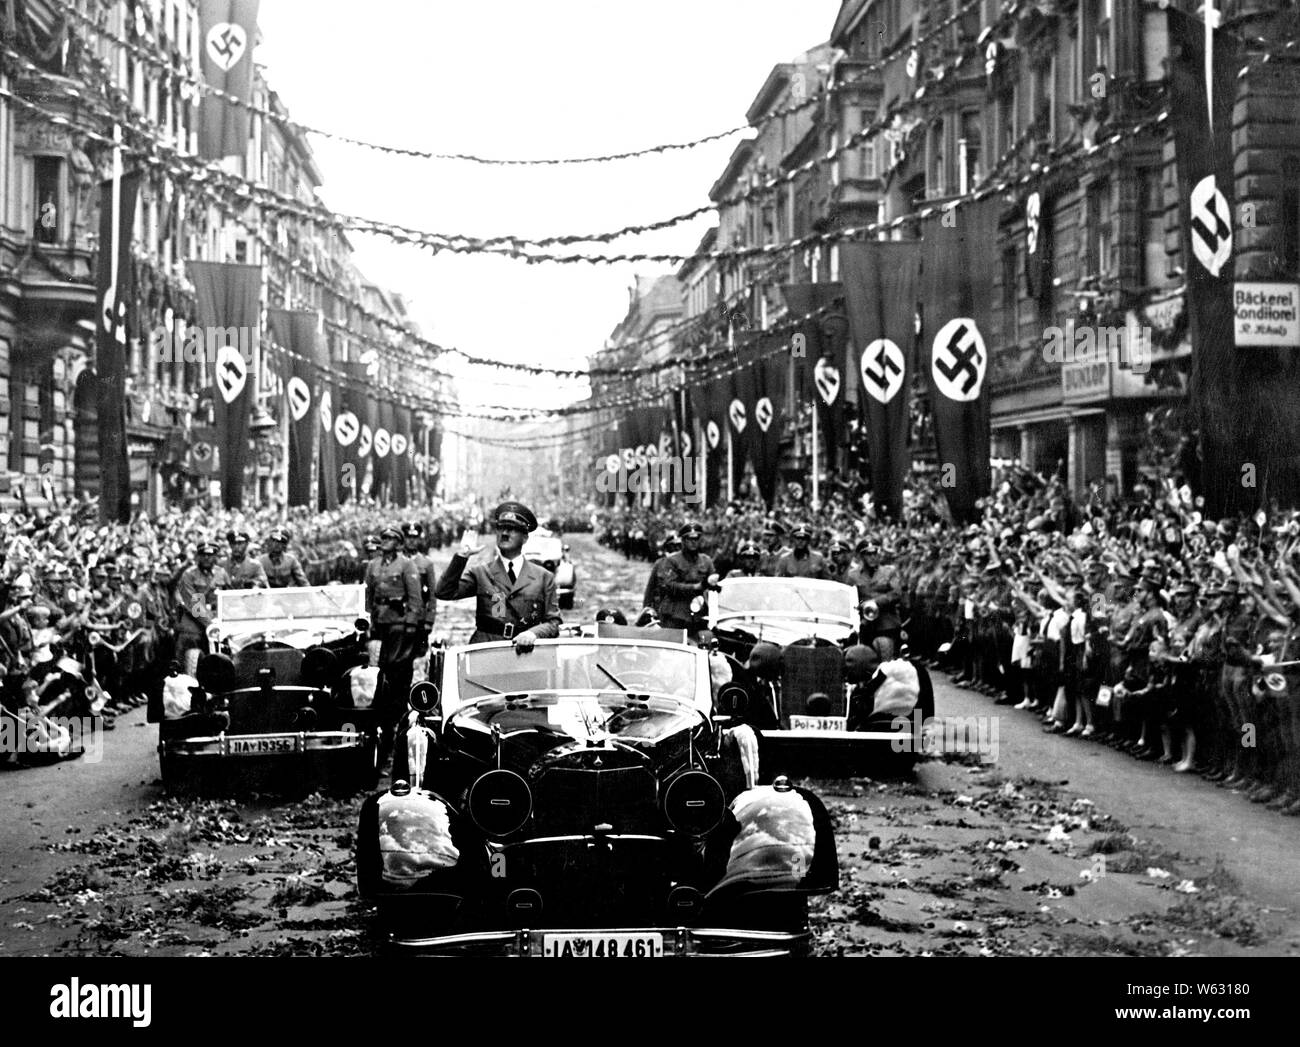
688, 575
670, 545
282, 568
841, 560
413, 534
395, 605
196, 603
244, 571
517, 599
801, 561
748, 554
773, 535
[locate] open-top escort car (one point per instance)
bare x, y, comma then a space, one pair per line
283, 701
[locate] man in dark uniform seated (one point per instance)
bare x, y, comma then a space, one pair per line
749, 556
517, 599
801, 561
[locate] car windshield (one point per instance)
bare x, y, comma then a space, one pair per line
543, 548
605, 667
789, 597
324, 601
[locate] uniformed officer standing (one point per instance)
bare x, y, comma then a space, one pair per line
244, 571
395, 605
801, 562
687, 575
670, 545
415, 550
282, 567
776, 548
517, 600
196, 603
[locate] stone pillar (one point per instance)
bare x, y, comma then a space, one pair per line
1074, 463
1028, 447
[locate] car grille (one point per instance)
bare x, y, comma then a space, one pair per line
573, 800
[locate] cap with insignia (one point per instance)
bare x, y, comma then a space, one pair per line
279, 535
371, 541
772, 528
515, 514
235, 537
748, 549
867, 547
206, 548
689, 530
803, 532
840, 545
391, 531
414, 530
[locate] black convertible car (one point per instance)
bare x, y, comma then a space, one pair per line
584, 800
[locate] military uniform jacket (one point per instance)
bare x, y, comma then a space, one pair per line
532, 603
196, 594
283, 573
653, 582
680, 584
767, 561
393, 594
247, 574
428, 586
811, 566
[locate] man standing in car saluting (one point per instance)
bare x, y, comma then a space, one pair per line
517, 600
395, 605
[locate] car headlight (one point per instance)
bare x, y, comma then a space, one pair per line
499, 802
694, 803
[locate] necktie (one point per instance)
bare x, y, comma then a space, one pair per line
510, 570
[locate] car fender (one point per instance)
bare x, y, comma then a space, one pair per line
781, 839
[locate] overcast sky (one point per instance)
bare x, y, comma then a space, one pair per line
524, 79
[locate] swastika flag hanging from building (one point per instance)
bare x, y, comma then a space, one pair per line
880, 288
227, 295
1245, 409
227, 36
956, 298
295, 330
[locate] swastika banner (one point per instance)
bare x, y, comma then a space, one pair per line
295, 330
880, 290
956, 301
227, 297
227, 35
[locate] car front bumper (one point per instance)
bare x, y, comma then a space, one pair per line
677, 942
286, 743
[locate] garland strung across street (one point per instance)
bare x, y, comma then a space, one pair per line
197, 86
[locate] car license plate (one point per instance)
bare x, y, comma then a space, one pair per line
601, 945
818, 723
259, 746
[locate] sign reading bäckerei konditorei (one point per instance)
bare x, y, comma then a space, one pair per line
1266, 313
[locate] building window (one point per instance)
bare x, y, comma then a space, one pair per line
1042, 103
1010, 296
1101, 35
971, 134
1006, 120
1099, 240
1151, 202
937, 182
49, 199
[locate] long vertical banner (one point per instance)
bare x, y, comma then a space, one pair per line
295, 331
384, 451
957, 293
348, 414
768, 418
228, 33
711, 400
1226, 390
228, 304
880, 291
402, 450
326, 407
113, 291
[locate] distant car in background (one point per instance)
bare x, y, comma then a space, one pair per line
548, 549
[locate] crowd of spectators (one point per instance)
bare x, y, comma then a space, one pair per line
1138, 622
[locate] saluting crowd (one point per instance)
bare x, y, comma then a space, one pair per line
92, 615
1138, 623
